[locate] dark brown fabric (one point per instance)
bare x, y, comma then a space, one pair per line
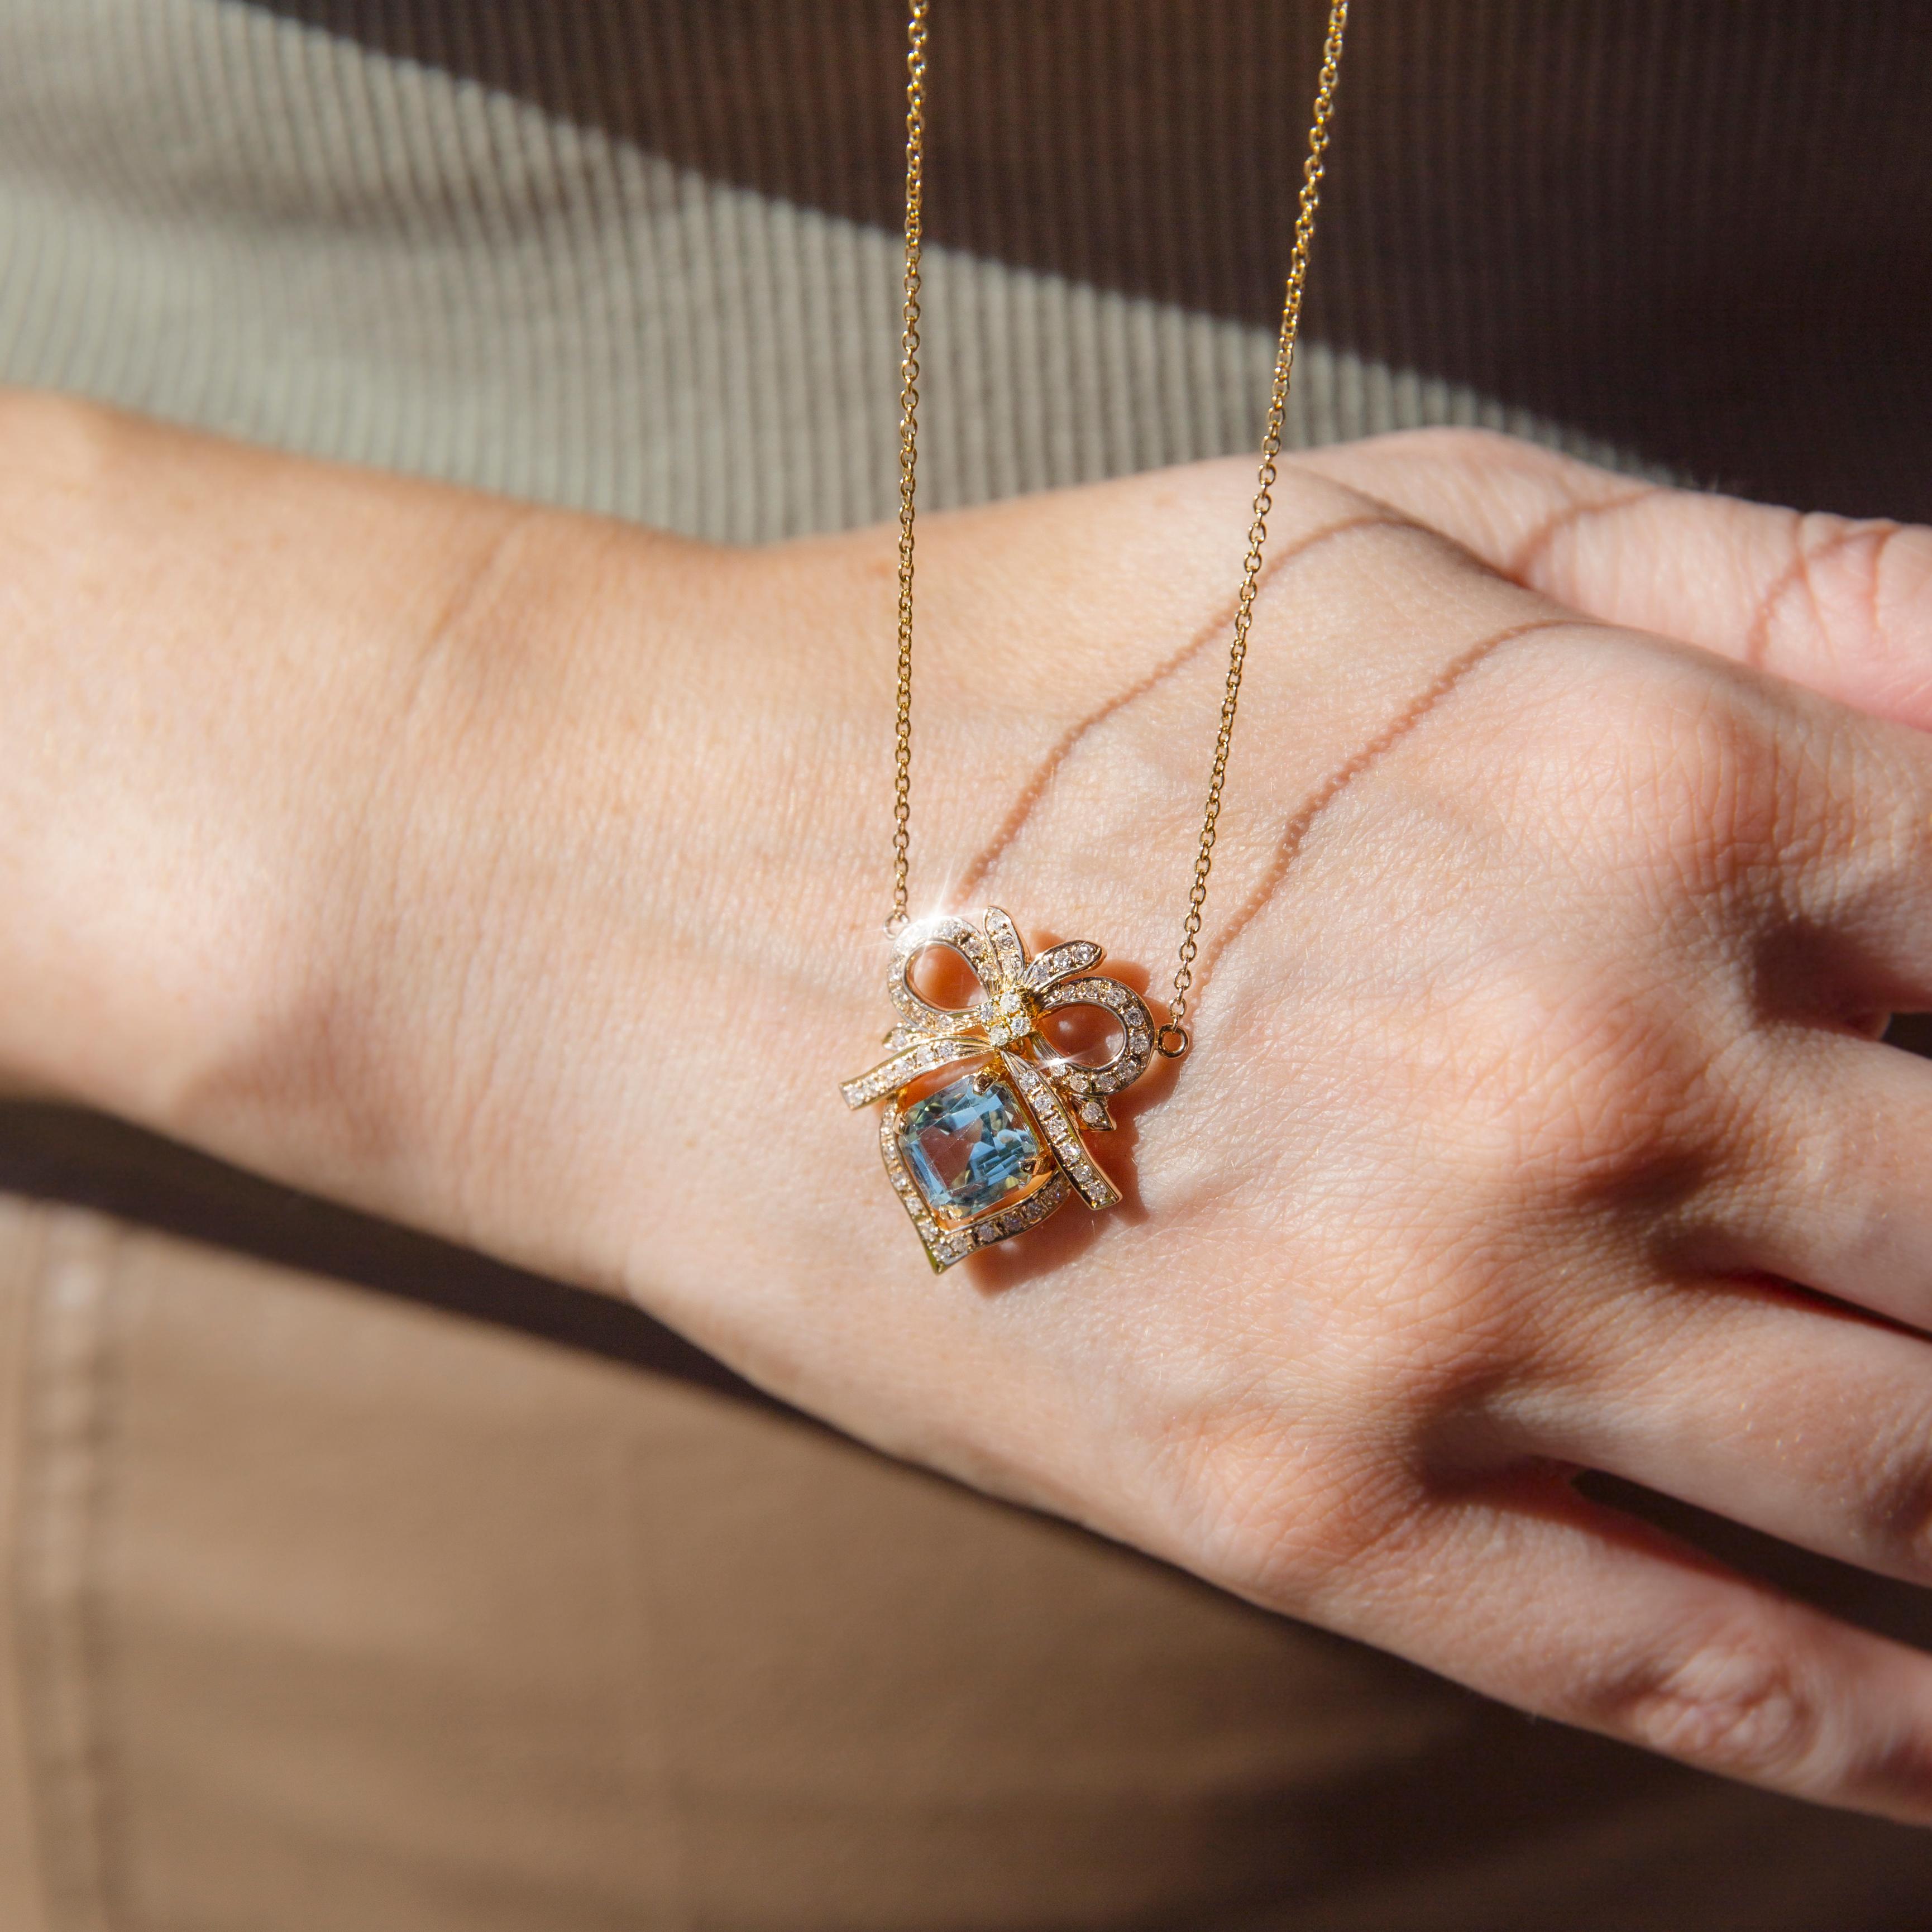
1698, 231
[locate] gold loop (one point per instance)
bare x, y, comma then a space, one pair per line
1182, 1040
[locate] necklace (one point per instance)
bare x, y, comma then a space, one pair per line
997, 1149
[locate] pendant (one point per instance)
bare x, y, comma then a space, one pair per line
997, 1149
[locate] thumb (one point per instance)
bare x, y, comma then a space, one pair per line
1841, 605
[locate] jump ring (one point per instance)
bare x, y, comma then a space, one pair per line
1172, 1040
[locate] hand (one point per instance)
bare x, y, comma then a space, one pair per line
1533, 1050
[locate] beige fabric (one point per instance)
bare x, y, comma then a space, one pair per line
343, 1613
22, 1270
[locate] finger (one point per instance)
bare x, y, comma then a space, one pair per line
1842, 908
1757, 1402
1844, 606
1578, 1612
1839, 1197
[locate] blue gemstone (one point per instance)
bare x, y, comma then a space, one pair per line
966, 1149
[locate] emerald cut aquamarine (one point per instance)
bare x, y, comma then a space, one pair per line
970, 1146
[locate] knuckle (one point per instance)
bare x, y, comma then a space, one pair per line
1690, 778
1708, 786
1880, 836
1735, 812
1734, 1703
1607, 1100
1862, 578
1894, 1502
1276, 1523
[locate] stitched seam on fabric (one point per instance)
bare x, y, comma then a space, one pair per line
57, 1563
23, 1264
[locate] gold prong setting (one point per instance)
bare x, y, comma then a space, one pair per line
947, 1247
1062, 1134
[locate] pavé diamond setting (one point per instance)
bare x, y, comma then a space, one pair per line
995, 1151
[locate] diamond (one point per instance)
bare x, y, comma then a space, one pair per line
969, 1149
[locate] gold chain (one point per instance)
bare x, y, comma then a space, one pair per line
1172, 1039
915, 219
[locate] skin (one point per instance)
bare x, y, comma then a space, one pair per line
520, 875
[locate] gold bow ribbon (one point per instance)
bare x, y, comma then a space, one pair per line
1063, 1096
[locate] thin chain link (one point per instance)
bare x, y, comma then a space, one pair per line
915, 219
1172, 1038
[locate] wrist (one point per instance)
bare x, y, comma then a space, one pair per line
251, 704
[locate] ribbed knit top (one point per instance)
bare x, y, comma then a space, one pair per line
641, 255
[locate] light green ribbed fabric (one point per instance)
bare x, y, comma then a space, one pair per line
638, 256
261, 226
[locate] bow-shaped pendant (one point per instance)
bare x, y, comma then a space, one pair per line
996, 1150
